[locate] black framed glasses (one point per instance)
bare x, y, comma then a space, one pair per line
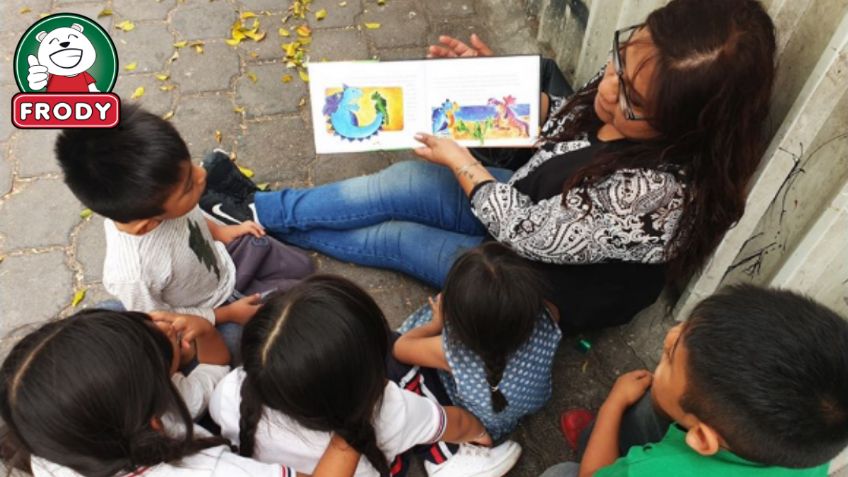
618, 63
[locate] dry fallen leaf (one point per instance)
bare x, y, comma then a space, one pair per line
287, 78
283, 32
321, 14
585, 365
302, 101
125, 25
167, 87
181, 44
246, 15
86, 213
167, 116
174, 57
247, 172
218, 136
139, 92
342, 4
254, 54
263, 186
24, 10
198, 46
372, 26
238, 109
131, 67
106, 12
304, 31
381, 2
161, 76
79, 296
252, 76
303, 75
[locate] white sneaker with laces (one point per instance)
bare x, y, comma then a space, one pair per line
477, 461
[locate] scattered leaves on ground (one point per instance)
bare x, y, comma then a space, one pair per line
198, 46
167, 116
86, 213
239, 31
167, 87
263, 186
131, 67
321, 14
238, 109
126, 25
139, 92
162, 76
106, 12
181, 44
24, 10
303, 74
252, 76
373, 26
247, 172
287, 78
381, 2
342, 4
283, 32
79, 296
218, 136
174, 57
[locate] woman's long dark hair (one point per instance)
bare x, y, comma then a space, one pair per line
318, 355
491, 300
713, 77
82, 392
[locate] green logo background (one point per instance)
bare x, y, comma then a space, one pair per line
105, 68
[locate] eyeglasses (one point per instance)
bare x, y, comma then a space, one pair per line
618, 62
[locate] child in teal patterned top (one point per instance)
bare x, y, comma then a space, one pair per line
491, 336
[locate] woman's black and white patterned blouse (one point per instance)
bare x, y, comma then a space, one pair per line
630, 215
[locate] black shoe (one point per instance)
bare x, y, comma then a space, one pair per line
222, 175
227, 208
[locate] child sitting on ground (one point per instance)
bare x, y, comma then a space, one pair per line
161, 252
315, 362
90, 395
492, 339
754, 383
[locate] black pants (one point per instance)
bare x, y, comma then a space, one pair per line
424, 382
554, 84
640, 425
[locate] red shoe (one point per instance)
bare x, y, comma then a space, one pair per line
572, 423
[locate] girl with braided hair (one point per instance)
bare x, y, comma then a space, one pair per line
491, 336
91, 395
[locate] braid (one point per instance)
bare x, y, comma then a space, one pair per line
495, 366
250, 411
362, 437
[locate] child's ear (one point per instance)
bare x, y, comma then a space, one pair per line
703, 439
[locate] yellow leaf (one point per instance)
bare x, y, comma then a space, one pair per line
305, 41
247, 172
372, 26
174, 57
252, 76
42, 15
218, 136
24, 10
198, 49
125, 25
167, 116
321, 14
302, 101
287, 78
238, 109
254, 35
381, 2
303, 75
246, 15
304, 31
2, 257
131, 67
290, 48
79, 296
167, 87
161, 76
139, 92
342, 4
181, 44
86, 213
106, 12
283, 32
263, 186
254, 54
232, 41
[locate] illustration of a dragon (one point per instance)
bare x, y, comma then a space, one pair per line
340, 108
444, 117
506, 117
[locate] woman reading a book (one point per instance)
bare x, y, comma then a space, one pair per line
635, 181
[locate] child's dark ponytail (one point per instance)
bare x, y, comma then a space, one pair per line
250, 411
93, 393
317, 354
491, 301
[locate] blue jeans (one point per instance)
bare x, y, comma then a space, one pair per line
411, 217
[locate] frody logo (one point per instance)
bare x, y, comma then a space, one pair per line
63, 60
65, 66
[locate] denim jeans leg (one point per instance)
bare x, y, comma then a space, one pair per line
564, 469
412, 191
231, 334
640, 425
423, 252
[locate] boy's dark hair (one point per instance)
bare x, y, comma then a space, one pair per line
491, 301
127, 172
767, 369
81, 392
318, 355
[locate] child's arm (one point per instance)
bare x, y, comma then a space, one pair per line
462, 426
239, 311
210, 346
228, 233
422, 346
602, 449
339, 460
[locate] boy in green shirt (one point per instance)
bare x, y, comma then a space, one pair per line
755, 384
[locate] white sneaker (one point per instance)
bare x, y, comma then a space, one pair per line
477, 461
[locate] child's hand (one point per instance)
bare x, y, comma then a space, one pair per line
484, 440
239, 311
451, 48
228, 233
629, 388
187, 327
443, 151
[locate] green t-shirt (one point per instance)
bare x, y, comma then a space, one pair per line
672, 457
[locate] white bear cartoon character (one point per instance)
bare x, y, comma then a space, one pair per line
64, 56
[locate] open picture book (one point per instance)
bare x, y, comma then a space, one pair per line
479, 102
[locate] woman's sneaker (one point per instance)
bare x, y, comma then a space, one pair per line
477, 461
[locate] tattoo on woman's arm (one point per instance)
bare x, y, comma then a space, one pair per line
465, 171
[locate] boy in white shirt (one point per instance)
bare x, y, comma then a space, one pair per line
161, 251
